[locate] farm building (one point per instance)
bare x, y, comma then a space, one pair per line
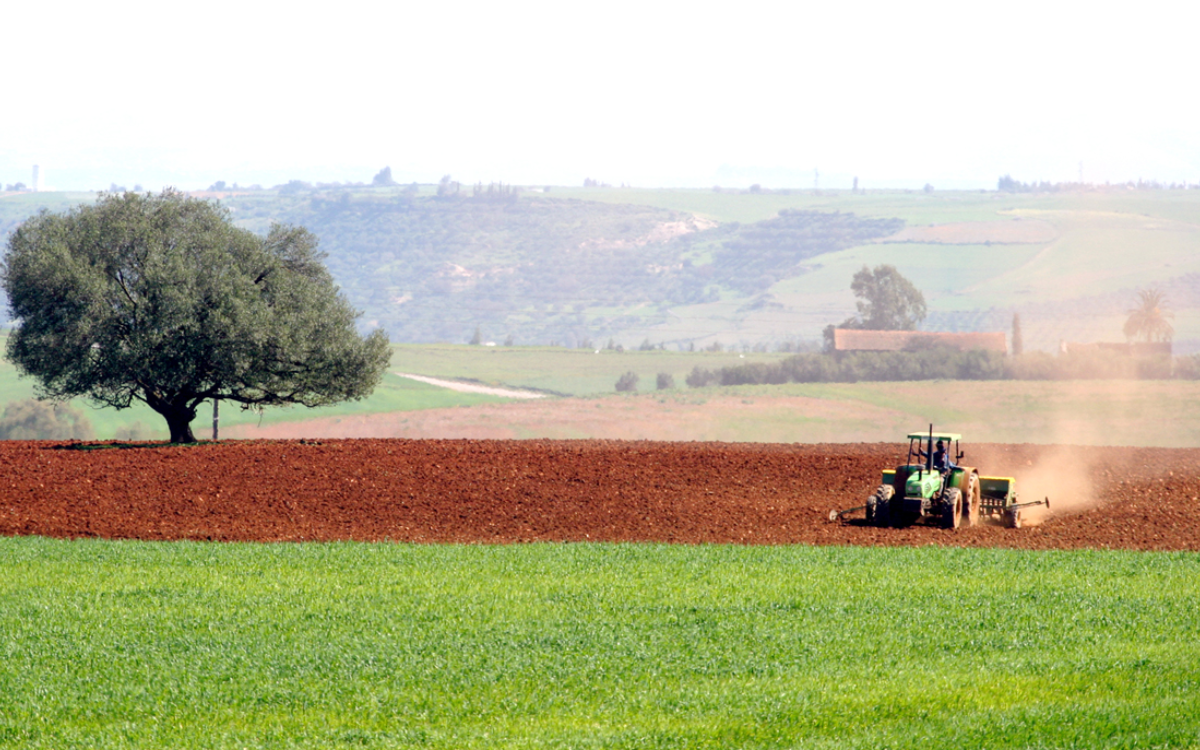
857, 340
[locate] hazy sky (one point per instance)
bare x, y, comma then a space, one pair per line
650, 94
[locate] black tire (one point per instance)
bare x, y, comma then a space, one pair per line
879, 506
952, 507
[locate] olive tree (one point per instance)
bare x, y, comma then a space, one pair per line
162, 299
886, 300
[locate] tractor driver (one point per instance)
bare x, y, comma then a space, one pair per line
941, 461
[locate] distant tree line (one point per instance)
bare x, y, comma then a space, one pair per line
944, 363
221, 186
850, 367
1007, 184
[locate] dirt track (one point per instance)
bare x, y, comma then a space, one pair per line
519, 491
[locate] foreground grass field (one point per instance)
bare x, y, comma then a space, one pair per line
124, 644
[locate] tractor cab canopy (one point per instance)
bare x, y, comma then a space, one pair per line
921, 446
948, 437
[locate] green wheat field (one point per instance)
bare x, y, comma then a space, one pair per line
128, 644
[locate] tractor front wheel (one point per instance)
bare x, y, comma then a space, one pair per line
952, 508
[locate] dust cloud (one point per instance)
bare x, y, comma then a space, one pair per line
1065, 472
1064, 475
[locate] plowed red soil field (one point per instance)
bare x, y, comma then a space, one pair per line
475, 491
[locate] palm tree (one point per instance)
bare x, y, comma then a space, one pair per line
1149, 320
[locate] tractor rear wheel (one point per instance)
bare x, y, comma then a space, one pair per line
973, 502
879, 506
952, 508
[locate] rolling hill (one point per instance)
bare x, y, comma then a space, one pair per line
692, 268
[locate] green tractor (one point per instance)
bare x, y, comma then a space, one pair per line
931, 487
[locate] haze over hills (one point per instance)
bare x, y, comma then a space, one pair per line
690, 268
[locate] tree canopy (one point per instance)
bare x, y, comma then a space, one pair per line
1150, 320
886, 300
384, 178
161, 299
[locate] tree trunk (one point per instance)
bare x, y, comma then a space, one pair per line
181, 428
179, 418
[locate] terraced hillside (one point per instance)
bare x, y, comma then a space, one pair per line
690, 268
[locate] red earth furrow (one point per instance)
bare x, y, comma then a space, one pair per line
506, 491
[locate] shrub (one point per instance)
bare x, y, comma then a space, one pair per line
664, 382
1187, 368
627, 382
40, 420
699, 377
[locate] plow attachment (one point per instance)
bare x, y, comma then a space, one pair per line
1013, 514
836, 515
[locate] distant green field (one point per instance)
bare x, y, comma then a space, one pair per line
1075, 412
571, 372
574, 372
17, 207
1135, 413
913, 206
137, 645
1147, 413
393, 394
1151, 413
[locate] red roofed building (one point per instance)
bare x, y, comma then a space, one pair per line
858, 340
